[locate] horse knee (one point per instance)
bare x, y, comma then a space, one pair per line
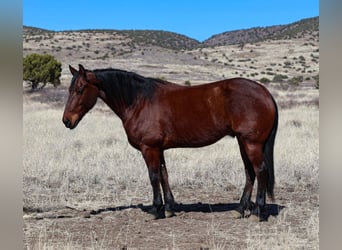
154, 176
260, 170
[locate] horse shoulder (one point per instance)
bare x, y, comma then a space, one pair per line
142, 125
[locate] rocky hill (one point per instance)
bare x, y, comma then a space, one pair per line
300, 29
171, 40
164, 39
277, 53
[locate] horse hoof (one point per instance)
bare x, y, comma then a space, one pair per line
169, 213
156, 213
235, 214
254, 218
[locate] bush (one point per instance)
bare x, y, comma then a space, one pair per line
187, 83
265, 80
41, 69
279, 78
296, 80
316, 78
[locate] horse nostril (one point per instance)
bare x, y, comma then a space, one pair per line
67, 123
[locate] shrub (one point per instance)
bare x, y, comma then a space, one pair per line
301, 58
265, 80
316, 78
296, 80
41, 69
162, 78
287, 64
279, 78
187, 83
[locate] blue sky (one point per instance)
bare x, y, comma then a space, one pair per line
198, 19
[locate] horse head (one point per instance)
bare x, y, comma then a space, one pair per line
83, 93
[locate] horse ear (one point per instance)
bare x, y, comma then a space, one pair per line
81, 69
72, 70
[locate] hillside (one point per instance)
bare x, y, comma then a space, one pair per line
279, 54
300, 29
171, 40
164, 39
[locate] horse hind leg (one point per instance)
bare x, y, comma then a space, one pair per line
254, 152
245, 201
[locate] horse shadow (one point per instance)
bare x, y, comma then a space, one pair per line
271, 209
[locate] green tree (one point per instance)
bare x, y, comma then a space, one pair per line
41, 69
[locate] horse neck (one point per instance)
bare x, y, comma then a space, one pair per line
118, 106
117, 92
118, 109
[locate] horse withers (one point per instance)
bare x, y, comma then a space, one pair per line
158, 115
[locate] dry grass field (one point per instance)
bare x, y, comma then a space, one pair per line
89, 189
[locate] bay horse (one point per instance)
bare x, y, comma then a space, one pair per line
159, 115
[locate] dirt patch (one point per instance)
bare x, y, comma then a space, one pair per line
202, 221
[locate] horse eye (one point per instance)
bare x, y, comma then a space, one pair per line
80, 90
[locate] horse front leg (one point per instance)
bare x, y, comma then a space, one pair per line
168, 196
152, 159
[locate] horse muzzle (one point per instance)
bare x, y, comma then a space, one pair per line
67, 123
70, 123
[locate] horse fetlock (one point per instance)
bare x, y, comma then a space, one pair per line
258, 213
169, 211
157, 212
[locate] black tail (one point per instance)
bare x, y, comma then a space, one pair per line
268, 154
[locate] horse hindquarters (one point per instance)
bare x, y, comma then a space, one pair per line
259, 163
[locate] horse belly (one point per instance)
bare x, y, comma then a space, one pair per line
195, 133
196, 119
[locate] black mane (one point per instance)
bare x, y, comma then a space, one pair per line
121, 85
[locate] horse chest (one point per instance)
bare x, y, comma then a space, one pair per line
143, 128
